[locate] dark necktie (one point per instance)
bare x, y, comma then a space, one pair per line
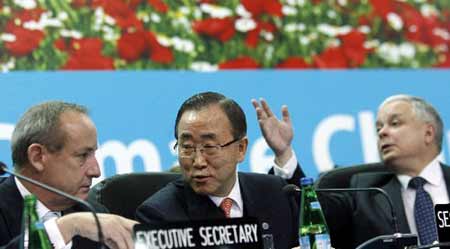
423, 212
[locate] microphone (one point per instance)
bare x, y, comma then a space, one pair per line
4, 169
291, 189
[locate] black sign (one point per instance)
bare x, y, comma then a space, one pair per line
442, 212
237, 233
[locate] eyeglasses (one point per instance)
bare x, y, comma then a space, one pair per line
188, 151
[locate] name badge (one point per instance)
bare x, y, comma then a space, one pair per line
237, 233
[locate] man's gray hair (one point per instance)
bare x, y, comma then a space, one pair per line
40, 124
423, 111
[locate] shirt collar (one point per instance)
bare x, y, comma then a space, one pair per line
432, 173
40, 207
235, 195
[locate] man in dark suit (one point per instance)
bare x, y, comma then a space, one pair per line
211, 137
410, 135
55, 143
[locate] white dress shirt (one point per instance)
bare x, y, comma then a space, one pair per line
435, 186
237, 209
49, 218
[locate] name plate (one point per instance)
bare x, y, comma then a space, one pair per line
238, 233
442, 212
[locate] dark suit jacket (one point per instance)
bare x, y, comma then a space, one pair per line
262, 196
11, 208
358, 217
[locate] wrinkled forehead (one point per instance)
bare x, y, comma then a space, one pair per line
204, 124
395, 108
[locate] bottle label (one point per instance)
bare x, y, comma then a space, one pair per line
315, 205
319, 241
304, 242
323, 241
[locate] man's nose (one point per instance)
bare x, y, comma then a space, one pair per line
93, 167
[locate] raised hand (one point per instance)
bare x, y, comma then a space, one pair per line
277, 133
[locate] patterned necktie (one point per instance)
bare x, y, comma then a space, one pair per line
226, 205
423, 212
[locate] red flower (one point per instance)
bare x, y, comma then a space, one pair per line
131, 46
382, 7
222, 29
26, 40
253, 36
28, 15
159, 5
243, 62
353, 47
258, 7
121, 12
158, 53
293, 62
78, 3
331, 58
96, 62
60, 44
85, 54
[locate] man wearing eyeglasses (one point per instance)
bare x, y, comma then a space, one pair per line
211, 139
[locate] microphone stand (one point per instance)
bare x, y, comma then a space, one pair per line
3, 169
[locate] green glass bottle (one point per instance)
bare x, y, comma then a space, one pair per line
34, 235
313, 232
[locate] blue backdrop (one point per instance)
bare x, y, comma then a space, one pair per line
333, 111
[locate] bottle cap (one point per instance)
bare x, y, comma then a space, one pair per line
306, 181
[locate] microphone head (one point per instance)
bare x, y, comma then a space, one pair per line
291, 189
2, 168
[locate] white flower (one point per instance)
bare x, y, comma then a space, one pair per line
301, 27
364, 29
290, 27
443, 33
268, 36
7, 37
288, 10
291, 2
389, 52
155, 18
203, 66
395, 21
63, 15
301, 2
245, 24
269, 53
333, 31
6, 10
183, 45
26, 4
164, 40
215, 11
304, 40
185, 10
407, 50
342, 2
241, 11
428, 10
6, 67
371, 44
331, 14
32, 25
71, 33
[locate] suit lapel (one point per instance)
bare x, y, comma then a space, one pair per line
393, 189
14, 203
200, 207
250, 199
446, 172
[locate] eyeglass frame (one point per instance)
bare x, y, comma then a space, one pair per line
201, 148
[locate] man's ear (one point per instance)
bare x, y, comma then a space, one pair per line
243, 144
430, 133
36, 156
